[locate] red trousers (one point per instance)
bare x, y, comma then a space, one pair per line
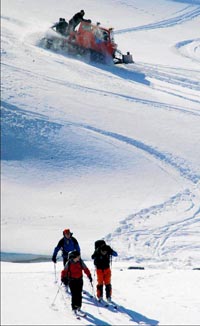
104, 278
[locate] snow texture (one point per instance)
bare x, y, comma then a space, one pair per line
111, 152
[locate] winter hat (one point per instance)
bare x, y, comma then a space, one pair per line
73, 254
66, 231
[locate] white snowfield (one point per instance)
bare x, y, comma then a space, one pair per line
109, 151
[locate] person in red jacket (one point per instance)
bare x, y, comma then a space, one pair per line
73, 272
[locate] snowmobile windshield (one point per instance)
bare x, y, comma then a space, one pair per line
112, 39
101, 35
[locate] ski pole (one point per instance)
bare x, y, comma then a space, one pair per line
56, 294
97, 305
55, 273
92, 289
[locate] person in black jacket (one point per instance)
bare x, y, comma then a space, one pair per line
101, 258
76, 19
61, 26
66, 244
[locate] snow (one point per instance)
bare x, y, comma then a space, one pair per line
108, 151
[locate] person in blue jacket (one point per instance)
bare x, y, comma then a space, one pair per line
66, 244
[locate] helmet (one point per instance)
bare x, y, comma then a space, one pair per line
65, 231
73, 254
82, 12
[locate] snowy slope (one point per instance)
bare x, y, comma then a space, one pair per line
110, 151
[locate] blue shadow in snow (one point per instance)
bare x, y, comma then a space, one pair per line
24, 134
190, 2
128, 74
139, 318
133, 315
95, 321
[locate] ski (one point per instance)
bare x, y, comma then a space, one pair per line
88, 294
78, 314
112, 305
108, 304
74, 313
81, 314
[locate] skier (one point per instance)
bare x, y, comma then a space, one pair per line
61, 26
73, 275
101, 257
76, 19
66, 244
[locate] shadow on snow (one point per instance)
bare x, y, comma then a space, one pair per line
132, 315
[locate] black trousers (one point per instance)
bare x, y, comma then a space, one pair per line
76, 287
65, 259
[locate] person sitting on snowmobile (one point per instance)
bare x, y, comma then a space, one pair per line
61, 26
76, 19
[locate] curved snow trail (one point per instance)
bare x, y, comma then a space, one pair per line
172, 80
45, 122
85, 89
172, 75
172, 21
167, 158
175, 76
168, 78
173, 230
189, 49
182, 212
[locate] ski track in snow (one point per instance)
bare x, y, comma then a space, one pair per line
148, 103
162, 241
167, 158
174, 81
170, 77
105, 314
190, 14
45, 126
185, 48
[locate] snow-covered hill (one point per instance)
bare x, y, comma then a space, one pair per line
110, 151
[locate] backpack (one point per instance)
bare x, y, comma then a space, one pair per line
99, 243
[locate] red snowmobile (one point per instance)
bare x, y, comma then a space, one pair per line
89, 40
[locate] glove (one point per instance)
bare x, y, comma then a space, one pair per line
54, 259
90, 278
109, 249
64, 280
